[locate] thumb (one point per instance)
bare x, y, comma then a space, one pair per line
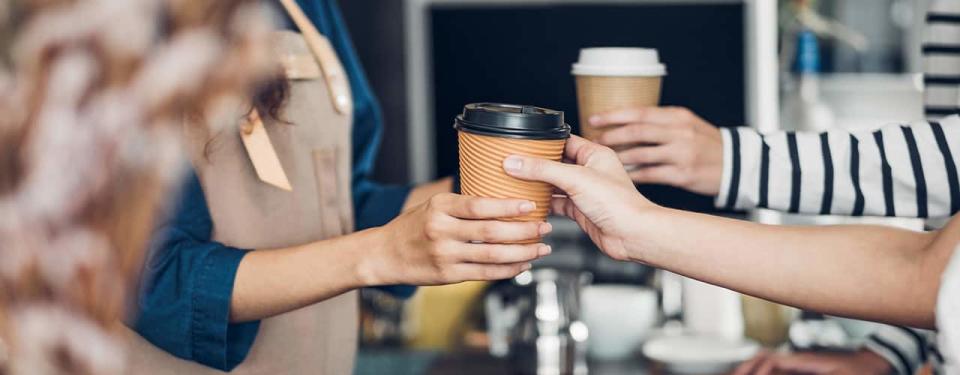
567, 177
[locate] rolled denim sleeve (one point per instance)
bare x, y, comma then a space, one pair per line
184, 300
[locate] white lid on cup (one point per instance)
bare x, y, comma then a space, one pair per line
619, 61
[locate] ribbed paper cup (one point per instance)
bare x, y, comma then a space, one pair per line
601, 94
614, 78
482, 174
488, 133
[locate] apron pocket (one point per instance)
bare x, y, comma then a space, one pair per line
328, 187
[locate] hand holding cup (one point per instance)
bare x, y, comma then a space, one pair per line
490, 132
453, 238
668, 145
610, 79
599, 195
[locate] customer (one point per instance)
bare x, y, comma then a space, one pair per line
256, 270
899, 170
865, 272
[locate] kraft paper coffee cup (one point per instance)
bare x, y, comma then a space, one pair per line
489, 132
613, 78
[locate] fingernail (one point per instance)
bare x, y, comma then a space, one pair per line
594, 120
544, 250
526, 207
512, 164
527, 266
545, 228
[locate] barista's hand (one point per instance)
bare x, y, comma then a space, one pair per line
430, 244
599, 195
863, 362
671, 145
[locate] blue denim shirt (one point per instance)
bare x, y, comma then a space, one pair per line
184, 300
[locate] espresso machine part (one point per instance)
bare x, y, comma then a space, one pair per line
534, 321
572, 249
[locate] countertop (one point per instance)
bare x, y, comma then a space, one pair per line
405, 362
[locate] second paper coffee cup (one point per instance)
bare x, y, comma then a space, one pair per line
612, 78
489, 132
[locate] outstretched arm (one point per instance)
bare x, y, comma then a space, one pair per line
865, 272
905, 170
432, 243
868, 272
200, 299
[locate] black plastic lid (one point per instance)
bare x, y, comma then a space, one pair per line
512, 121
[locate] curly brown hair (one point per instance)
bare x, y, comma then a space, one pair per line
271, 96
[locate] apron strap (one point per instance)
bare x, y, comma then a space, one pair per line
333, 72
252, 132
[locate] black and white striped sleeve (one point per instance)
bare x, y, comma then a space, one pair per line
906, 349
898, 170
941, 59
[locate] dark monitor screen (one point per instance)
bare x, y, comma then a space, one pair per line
522, 54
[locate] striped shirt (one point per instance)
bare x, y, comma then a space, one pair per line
905, 349
941, 59
903, 170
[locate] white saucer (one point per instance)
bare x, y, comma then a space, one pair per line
688, 354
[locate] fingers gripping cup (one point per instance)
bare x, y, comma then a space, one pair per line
611, 78
489, 133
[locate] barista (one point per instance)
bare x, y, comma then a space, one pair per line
257, 270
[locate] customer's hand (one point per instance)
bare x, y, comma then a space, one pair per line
669, 145
453, 238
599, 195
863, 362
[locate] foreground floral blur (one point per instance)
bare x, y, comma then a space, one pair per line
93, 94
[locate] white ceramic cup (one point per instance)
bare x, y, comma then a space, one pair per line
619, 318
710, 310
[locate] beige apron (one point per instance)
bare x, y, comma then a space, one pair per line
315, 153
